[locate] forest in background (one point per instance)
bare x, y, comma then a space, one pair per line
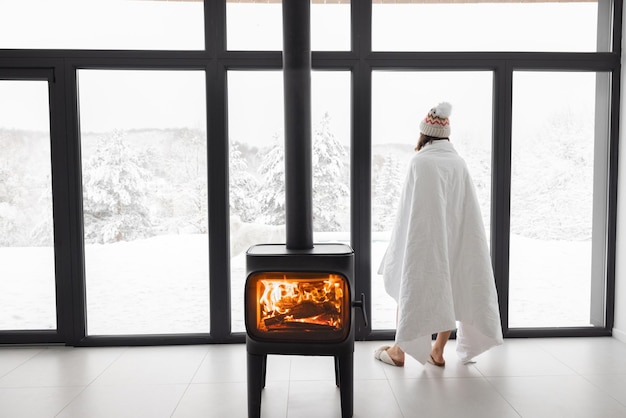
144, 183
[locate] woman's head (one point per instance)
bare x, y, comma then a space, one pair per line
436, 125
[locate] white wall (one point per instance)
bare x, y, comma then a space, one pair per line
619, 329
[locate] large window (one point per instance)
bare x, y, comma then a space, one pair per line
256, 172
102, 24
145, 201
399, 102
558, 132
485, 26
27, 281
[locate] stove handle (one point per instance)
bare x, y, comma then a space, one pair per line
361, 304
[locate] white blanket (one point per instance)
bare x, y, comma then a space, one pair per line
437, 266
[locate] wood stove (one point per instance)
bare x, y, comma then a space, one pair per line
299, 297
300, 302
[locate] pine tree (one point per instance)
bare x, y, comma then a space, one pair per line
13, 188
193, 189
330, 185
243, 187
114, 193
387, 190
272, 194
9, 213
42, 233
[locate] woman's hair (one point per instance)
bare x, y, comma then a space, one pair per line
425, 140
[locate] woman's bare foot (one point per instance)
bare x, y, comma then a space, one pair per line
396, 354
436, 355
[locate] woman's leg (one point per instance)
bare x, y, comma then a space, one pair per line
395, 352
439, 345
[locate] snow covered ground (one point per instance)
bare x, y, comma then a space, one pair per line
160, 285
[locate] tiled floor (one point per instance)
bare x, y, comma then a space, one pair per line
523, 378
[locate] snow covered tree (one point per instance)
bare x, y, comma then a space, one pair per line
9, 206
192, 189
243, 187
15, 186
387, 189
330, 185
272, 193
25, 192
552, 180
114, 193
43, 231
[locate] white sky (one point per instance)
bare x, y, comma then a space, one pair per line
24, 105
125, 99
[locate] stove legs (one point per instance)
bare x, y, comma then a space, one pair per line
256, 382
344, 379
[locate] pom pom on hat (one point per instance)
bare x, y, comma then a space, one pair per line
437, 122
442, 110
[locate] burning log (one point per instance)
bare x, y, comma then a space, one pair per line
302, 326
303, 310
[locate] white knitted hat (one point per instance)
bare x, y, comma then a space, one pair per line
437, 122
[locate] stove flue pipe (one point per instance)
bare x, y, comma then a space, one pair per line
298, 151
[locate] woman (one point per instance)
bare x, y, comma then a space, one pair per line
437, 265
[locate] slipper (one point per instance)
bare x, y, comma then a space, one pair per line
382, 355
434, 362
379, 350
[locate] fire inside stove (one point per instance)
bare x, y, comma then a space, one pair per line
298, 306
